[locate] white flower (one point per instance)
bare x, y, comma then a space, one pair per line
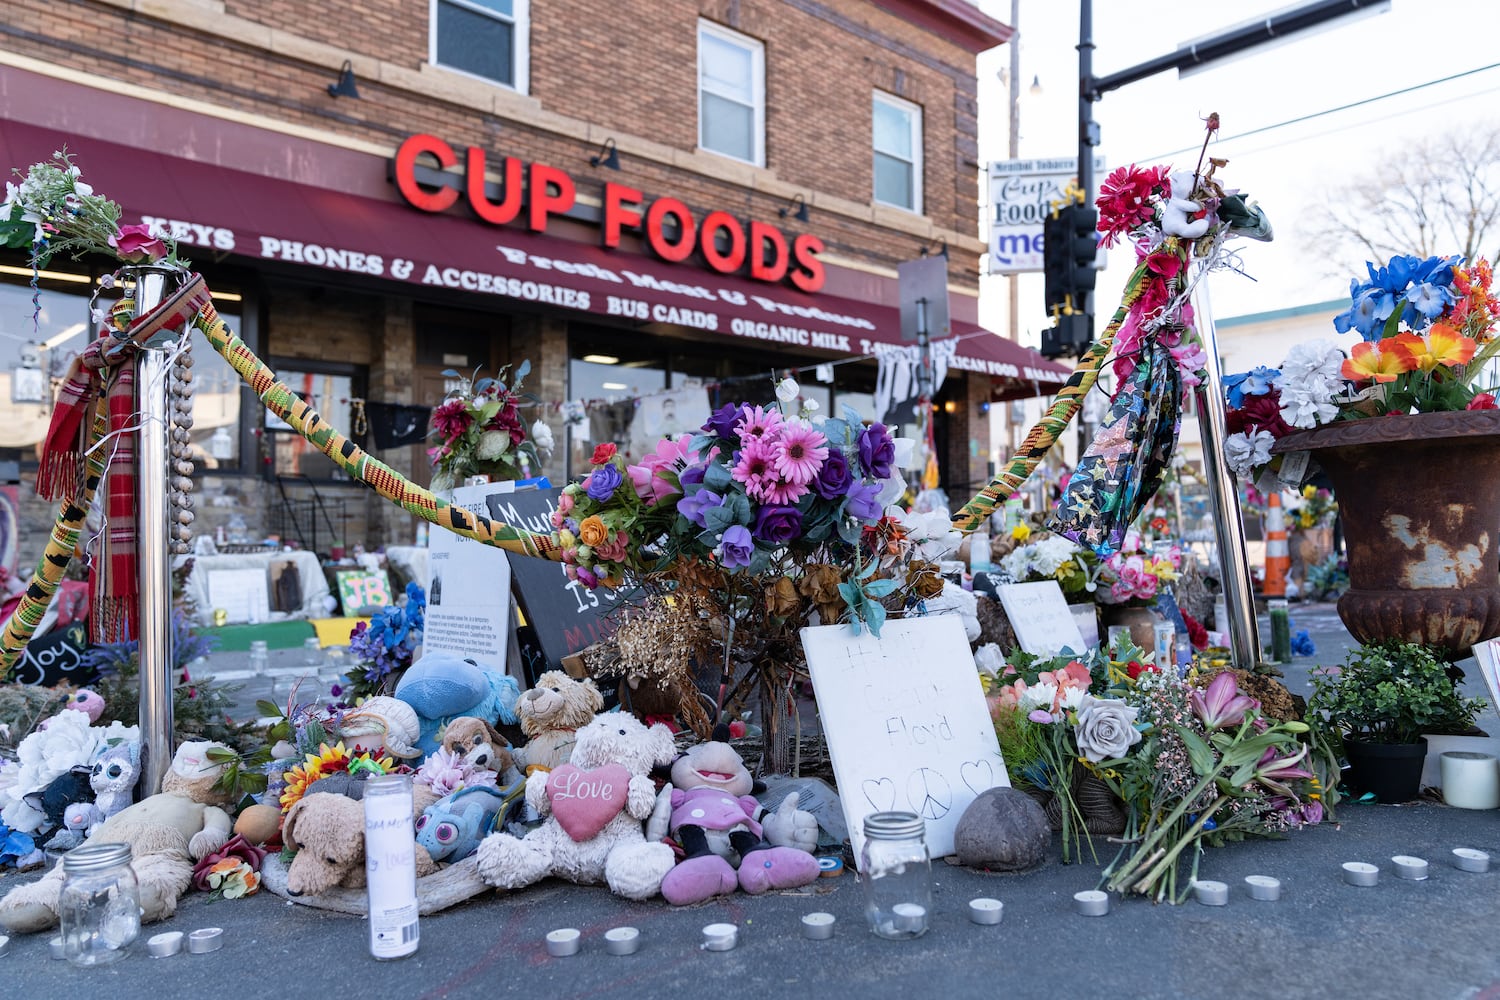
1307, 406
932, 532
1039, 695
492, 444
1243, 453
904, 449
541, 436
989, 659
1313, 361
811, 406
1072, 697
787, 390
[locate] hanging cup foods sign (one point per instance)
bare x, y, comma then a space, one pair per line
1021, 196
534, 193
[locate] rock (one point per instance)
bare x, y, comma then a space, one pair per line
1003, 830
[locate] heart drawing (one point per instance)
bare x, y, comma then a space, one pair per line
880, 793
979, 775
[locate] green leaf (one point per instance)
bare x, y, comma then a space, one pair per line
874, 617
268, 709
880, 588
1199, 754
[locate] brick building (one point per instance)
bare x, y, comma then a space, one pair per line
649, 200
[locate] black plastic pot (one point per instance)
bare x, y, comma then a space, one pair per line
1393, 771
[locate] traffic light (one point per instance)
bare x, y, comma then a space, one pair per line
1070, 244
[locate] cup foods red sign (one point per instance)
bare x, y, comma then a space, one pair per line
757, 250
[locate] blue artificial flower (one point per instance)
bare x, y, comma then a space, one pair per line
1302, 644
1257, 381
1427, 300
1372, 306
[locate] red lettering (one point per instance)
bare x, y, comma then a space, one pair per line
808, 274
544, 200
616, 214
683, 248
510, 205
406, 177
761, 236
708, 241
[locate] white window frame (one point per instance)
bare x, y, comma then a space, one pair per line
757, 50
915, 113
522, 24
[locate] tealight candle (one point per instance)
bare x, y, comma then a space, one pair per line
1091, 903
55, 948
622, 940
165, 945
205, 939
563, 942
910, 917
1360, 873
1211, 893
4, 945
986, 911
818, 926
1263, 887
1410, 868
1469, 860
720, 937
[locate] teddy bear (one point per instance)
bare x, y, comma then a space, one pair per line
442, 687
1182, 216
167, 833
328, 833
551, 713
707, 806
593, 805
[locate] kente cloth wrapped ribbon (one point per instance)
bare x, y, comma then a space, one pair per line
1124, 464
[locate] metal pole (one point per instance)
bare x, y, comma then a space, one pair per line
1229, 529
1087, 139
1013, 281
154, 572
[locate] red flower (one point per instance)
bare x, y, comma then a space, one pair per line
603, 453
1125, 200
451, 419
1159, 525
1482, 401
137, 244
1135, 668
1197, 634
1259, 413
509, 421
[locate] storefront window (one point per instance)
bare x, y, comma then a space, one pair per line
37, 341
332, 393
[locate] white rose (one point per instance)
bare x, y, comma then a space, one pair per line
787, 390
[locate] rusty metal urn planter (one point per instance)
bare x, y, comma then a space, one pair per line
1420, 500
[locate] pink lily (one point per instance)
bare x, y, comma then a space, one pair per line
1274, 771
1221, 704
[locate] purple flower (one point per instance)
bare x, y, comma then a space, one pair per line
833, 479
1221, 704
587, 578
604, 481
693, 505
777, 524
692, 475
1041, 716
721, 423
736, 547
876, 451
864, 501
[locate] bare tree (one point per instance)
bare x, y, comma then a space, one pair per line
1435, 196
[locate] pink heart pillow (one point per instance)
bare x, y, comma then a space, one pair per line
585, 801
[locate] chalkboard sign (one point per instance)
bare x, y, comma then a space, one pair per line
906, 722
565, 615
55, 658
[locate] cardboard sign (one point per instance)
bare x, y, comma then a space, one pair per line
1039, 614
362, 593
468, 588
55, 658
906, 722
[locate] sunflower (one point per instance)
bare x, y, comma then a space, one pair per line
328, 760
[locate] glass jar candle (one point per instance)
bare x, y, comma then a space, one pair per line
897, 874
100, 904
391, 866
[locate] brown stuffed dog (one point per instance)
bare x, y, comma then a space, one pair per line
328, 833
479, 743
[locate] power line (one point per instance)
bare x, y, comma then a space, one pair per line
1319, 114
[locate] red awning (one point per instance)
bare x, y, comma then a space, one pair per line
214, 211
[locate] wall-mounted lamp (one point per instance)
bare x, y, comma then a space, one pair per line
345, 87
941, 248
608, 156
950, 406
796, 208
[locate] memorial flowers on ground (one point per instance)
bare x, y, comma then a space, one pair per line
478, 431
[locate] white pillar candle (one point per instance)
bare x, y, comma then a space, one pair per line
1091, 903
563, 942
1410, 868
1263, 887
1470, 780
1360, 873
1211, 893
986, 911
818, 926
622, 940
720, 937
1470, 860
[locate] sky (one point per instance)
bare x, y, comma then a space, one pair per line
1286, 169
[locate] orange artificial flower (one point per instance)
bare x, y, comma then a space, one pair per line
592, 531
1368, 362
1446, 346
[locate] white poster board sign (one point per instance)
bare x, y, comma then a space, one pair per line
468, 588
1040, 616
241, 594
906, 722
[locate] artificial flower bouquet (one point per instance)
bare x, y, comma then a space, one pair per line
52, 211
479, 431
1134, 575
384, 646
1427, 332
1046, 556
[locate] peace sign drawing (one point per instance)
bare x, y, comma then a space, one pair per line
929, 793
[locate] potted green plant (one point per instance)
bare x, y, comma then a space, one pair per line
1382, 699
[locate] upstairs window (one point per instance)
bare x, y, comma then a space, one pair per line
731, 94
897, 131
484, 38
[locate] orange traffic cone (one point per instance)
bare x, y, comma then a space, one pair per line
1278, 556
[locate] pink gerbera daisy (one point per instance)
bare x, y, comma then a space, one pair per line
759, 423
781, 491
753, 467
800, 453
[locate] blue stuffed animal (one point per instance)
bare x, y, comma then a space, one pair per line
452, 827
441, 687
